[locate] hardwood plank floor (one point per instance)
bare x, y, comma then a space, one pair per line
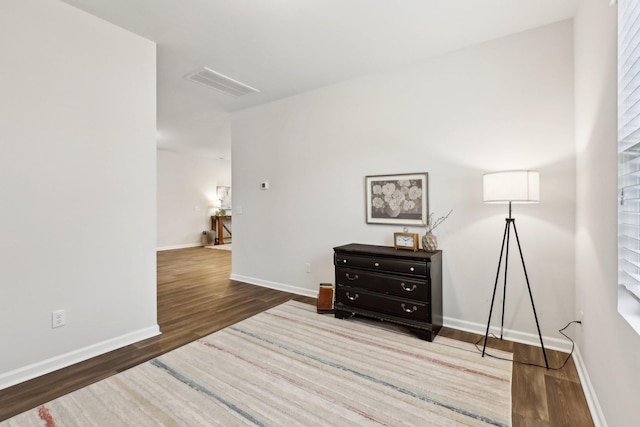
539, 397
196, 298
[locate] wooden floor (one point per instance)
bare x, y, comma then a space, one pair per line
196, 298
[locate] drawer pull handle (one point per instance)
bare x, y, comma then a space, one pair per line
353, 297
349, 277
409, 310
376, 264
344, 261
407, 288
411, 269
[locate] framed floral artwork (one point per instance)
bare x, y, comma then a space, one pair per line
224, 195
397, 199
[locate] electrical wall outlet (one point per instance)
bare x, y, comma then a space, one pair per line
58, 318
307, 267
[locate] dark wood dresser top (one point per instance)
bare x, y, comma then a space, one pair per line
388, 251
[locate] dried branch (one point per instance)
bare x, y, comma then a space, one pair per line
431, 225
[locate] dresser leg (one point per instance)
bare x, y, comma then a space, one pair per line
339, 314
422, 334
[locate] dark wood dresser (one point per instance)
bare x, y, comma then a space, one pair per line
389, 284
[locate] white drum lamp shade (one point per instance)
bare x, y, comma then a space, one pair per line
511, 187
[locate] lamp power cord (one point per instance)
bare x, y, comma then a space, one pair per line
573, 345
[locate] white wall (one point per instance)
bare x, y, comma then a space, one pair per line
77, 183
506, 104
186, 184
608, 346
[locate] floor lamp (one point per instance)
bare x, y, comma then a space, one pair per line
511, 187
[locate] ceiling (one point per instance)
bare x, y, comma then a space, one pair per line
285, 47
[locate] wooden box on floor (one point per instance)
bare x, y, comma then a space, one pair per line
325, 298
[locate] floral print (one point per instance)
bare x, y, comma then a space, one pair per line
392, 198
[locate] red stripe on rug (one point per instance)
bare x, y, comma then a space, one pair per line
46, 416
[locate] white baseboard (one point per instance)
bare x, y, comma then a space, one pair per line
509, 334
589, 391
277, 286
53, 364
477, 328
183, 246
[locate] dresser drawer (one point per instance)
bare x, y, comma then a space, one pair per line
389, 265
385, 283
394, 306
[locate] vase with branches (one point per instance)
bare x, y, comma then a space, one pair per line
429, 240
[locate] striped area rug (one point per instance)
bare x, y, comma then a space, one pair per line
290, 366
225, 247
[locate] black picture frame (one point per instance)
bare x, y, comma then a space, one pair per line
400, 199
